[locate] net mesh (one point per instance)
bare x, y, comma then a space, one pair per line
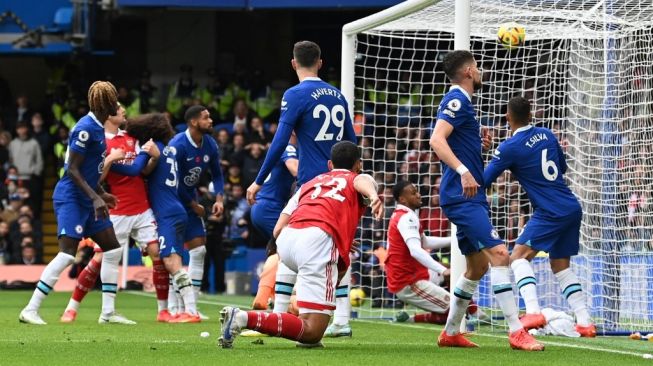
585, 67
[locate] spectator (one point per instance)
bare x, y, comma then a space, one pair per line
252, 164
224, 146
233, 175
5, 140
10, 212
433, 219
258, 134
21, 113
28, 255
40, 134
60, 148
25, 154
241, 113
238, 231
237, 155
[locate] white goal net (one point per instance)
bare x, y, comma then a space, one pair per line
587, 68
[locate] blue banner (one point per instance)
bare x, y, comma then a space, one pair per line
262, 4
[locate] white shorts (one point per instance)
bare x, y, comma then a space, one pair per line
312, 254
426, 296
141, 227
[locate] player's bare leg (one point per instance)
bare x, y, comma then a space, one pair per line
160, 279
572, 291
307, 329
527, 283
112, 253
181, 282
196, 253
49, 277
85, 282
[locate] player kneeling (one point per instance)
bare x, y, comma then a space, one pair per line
411, 272
316, 243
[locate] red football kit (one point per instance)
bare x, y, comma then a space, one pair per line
401, 268
130, 191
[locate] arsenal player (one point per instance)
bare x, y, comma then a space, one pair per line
324, 215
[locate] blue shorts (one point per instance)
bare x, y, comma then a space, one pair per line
194, 227
78, 221
475, 232
558, 237
171, 235
264, 215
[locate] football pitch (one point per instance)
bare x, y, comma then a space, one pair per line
375, 342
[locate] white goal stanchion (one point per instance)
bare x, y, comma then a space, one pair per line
585, 67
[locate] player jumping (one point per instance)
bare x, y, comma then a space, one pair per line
457, 142
535, 158
315, 244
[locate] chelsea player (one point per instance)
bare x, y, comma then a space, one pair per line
535, 158
457, 142
81, 206
316, 111
170, 214
197, 151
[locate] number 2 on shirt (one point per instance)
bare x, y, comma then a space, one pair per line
337, 114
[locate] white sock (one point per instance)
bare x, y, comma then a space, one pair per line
343, 306
72, 305
463, 293
48, 278
284, 283
183, 285
109, 276
196, 268
173, 307
573, 292
502, 288
527, 284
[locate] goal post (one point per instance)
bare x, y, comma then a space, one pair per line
585, 67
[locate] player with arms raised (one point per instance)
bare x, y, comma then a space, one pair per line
457, 142
197, 152
316, 243
535, 158
170, 214
81, 205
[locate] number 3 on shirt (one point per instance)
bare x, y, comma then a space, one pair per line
337, 114
173, 171
340, 184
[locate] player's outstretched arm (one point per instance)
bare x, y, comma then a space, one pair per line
115, 155
499, 163
367, 186
408, 227
218, 181
279, 143
439, 144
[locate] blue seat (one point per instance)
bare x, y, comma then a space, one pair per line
63, 21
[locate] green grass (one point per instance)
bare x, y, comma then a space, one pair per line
374, 342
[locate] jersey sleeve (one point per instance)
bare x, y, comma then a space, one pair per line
451, 110
292, 204
216, 169
289, 153
500, 161
279, 142
408, 226
80, 140
133, 169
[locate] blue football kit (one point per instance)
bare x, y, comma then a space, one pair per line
537, 161
170, 214
471, 215
319, 115
193, 160
73, 208
274, 194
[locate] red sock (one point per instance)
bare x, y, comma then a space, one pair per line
433, 318
160, 278
86, 280
276, 324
